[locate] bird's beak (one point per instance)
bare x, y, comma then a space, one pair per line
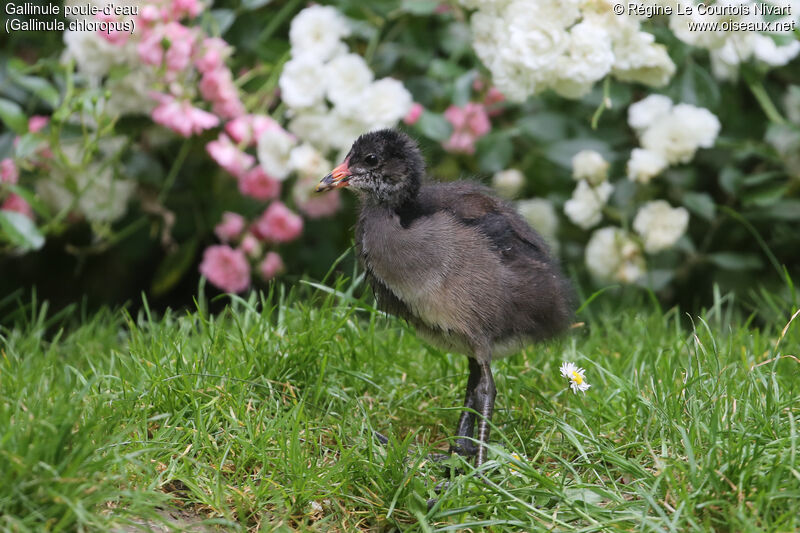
338, 177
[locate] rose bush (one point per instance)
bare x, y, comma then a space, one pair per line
643, 148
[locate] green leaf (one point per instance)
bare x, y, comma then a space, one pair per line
20, 231
173, 267
701, 204
40, 87
419, 7
761, 177
698, 87
494, 152
222, 20
11, 113
736, 261
730, 179
254, 4
434, 126
457, 39
27, 145
544, 126
562, 152
766, 195
786, 209
444, 70
462, 88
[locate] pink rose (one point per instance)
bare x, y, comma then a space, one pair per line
228, 156
37, 123
217, 87
8, 171
229, 108
213, 53
413, 114
181, 117
113, 36
181, 44
460, 141
150, 14
150, 50
17, 203
250, 245
248, 128
179, 41
271, 266
257, 184
492, 100
323, 205
188, 8
469, 123
456, 116
278, 224
477, 119
231, 226
226, 268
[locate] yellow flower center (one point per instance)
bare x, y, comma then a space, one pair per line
577, 378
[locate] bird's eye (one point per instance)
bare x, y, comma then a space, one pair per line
371, 159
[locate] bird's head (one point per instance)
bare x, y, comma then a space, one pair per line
385, 166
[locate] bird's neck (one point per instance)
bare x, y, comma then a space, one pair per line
396, 203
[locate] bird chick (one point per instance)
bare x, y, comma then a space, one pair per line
453, 260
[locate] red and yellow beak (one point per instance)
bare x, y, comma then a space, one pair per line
338, 177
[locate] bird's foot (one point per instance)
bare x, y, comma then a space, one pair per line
380, 437
464, 448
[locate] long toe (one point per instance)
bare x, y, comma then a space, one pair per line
464, 448
380, 437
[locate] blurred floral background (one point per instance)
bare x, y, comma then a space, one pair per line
657, 153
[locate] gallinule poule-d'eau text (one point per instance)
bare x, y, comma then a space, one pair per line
453, 260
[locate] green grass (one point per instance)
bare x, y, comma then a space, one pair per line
260, 418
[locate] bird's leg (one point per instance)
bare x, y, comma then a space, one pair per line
485, 394
466, 423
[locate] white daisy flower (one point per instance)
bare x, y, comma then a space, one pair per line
519, 458
577, 380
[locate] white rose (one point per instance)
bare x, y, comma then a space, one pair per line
678, 135
308, 162
702, 125
644, 165
659, 225
646, 111
588, 56
347, 76
640, 59
301, 82
611, 255
791, 102
317, 31
93, 55
766, 50
541, 216
344, 129
384, 103
313, 125
103, 198
585, 207
590, 166
508, 182
274, 152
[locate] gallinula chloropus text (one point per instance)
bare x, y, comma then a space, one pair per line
453, 260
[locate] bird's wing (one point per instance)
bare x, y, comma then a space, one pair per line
473, 205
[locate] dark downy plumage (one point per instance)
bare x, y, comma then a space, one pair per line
453, 260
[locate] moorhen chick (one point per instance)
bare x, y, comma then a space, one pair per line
453, 260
